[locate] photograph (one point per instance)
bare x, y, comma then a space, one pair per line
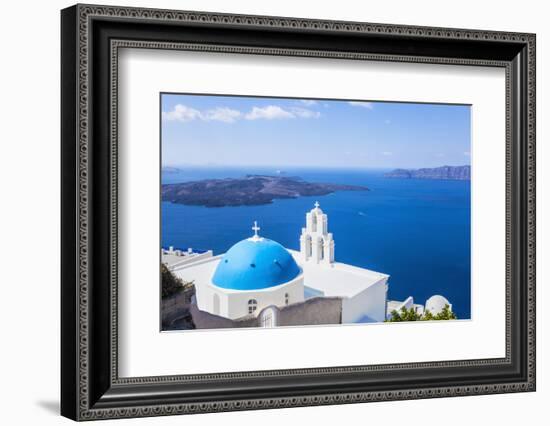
280, 212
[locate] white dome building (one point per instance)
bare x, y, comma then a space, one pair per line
253, 274
436, 303
258, 273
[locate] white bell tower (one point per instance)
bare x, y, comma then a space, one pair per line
316, 243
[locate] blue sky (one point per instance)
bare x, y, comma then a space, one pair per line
277, 132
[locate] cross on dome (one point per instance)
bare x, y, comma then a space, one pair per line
256, 228
316, 204
256, 237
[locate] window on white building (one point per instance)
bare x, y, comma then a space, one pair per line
252, 305
286, 298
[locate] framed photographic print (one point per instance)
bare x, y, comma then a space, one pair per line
264, 212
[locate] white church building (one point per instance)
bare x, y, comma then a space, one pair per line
257, 273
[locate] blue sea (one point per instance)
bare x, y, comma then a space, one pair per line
417, 231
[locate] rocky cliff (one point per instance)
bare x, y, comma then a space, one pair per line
444, 172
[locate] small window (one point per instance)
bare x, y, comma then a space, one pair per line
286, 298
252, 305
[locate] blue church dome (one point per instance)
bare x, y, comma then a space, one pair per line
254, 264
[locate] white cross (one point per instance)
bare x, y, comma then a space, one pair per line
256, 228
316, 204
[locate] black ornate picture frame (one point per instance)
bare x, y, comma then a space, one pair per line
91, 36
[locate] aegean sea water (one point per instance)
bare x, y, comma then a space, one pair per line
417, 231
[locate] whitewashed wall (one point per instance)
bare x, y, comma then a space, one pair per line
372, 301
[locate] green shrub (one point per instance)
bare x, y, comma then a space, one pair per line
411, 315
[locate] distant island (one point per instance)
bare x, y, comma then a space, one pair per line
444, 172
169, 169
250, 190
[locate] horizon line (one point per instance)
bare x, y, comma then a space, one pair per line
175, 166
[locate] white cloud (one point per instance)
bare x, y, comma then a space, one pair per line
305, 113
226, 115
367, 105
182, 113
308, 102
387, 153
270, 112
